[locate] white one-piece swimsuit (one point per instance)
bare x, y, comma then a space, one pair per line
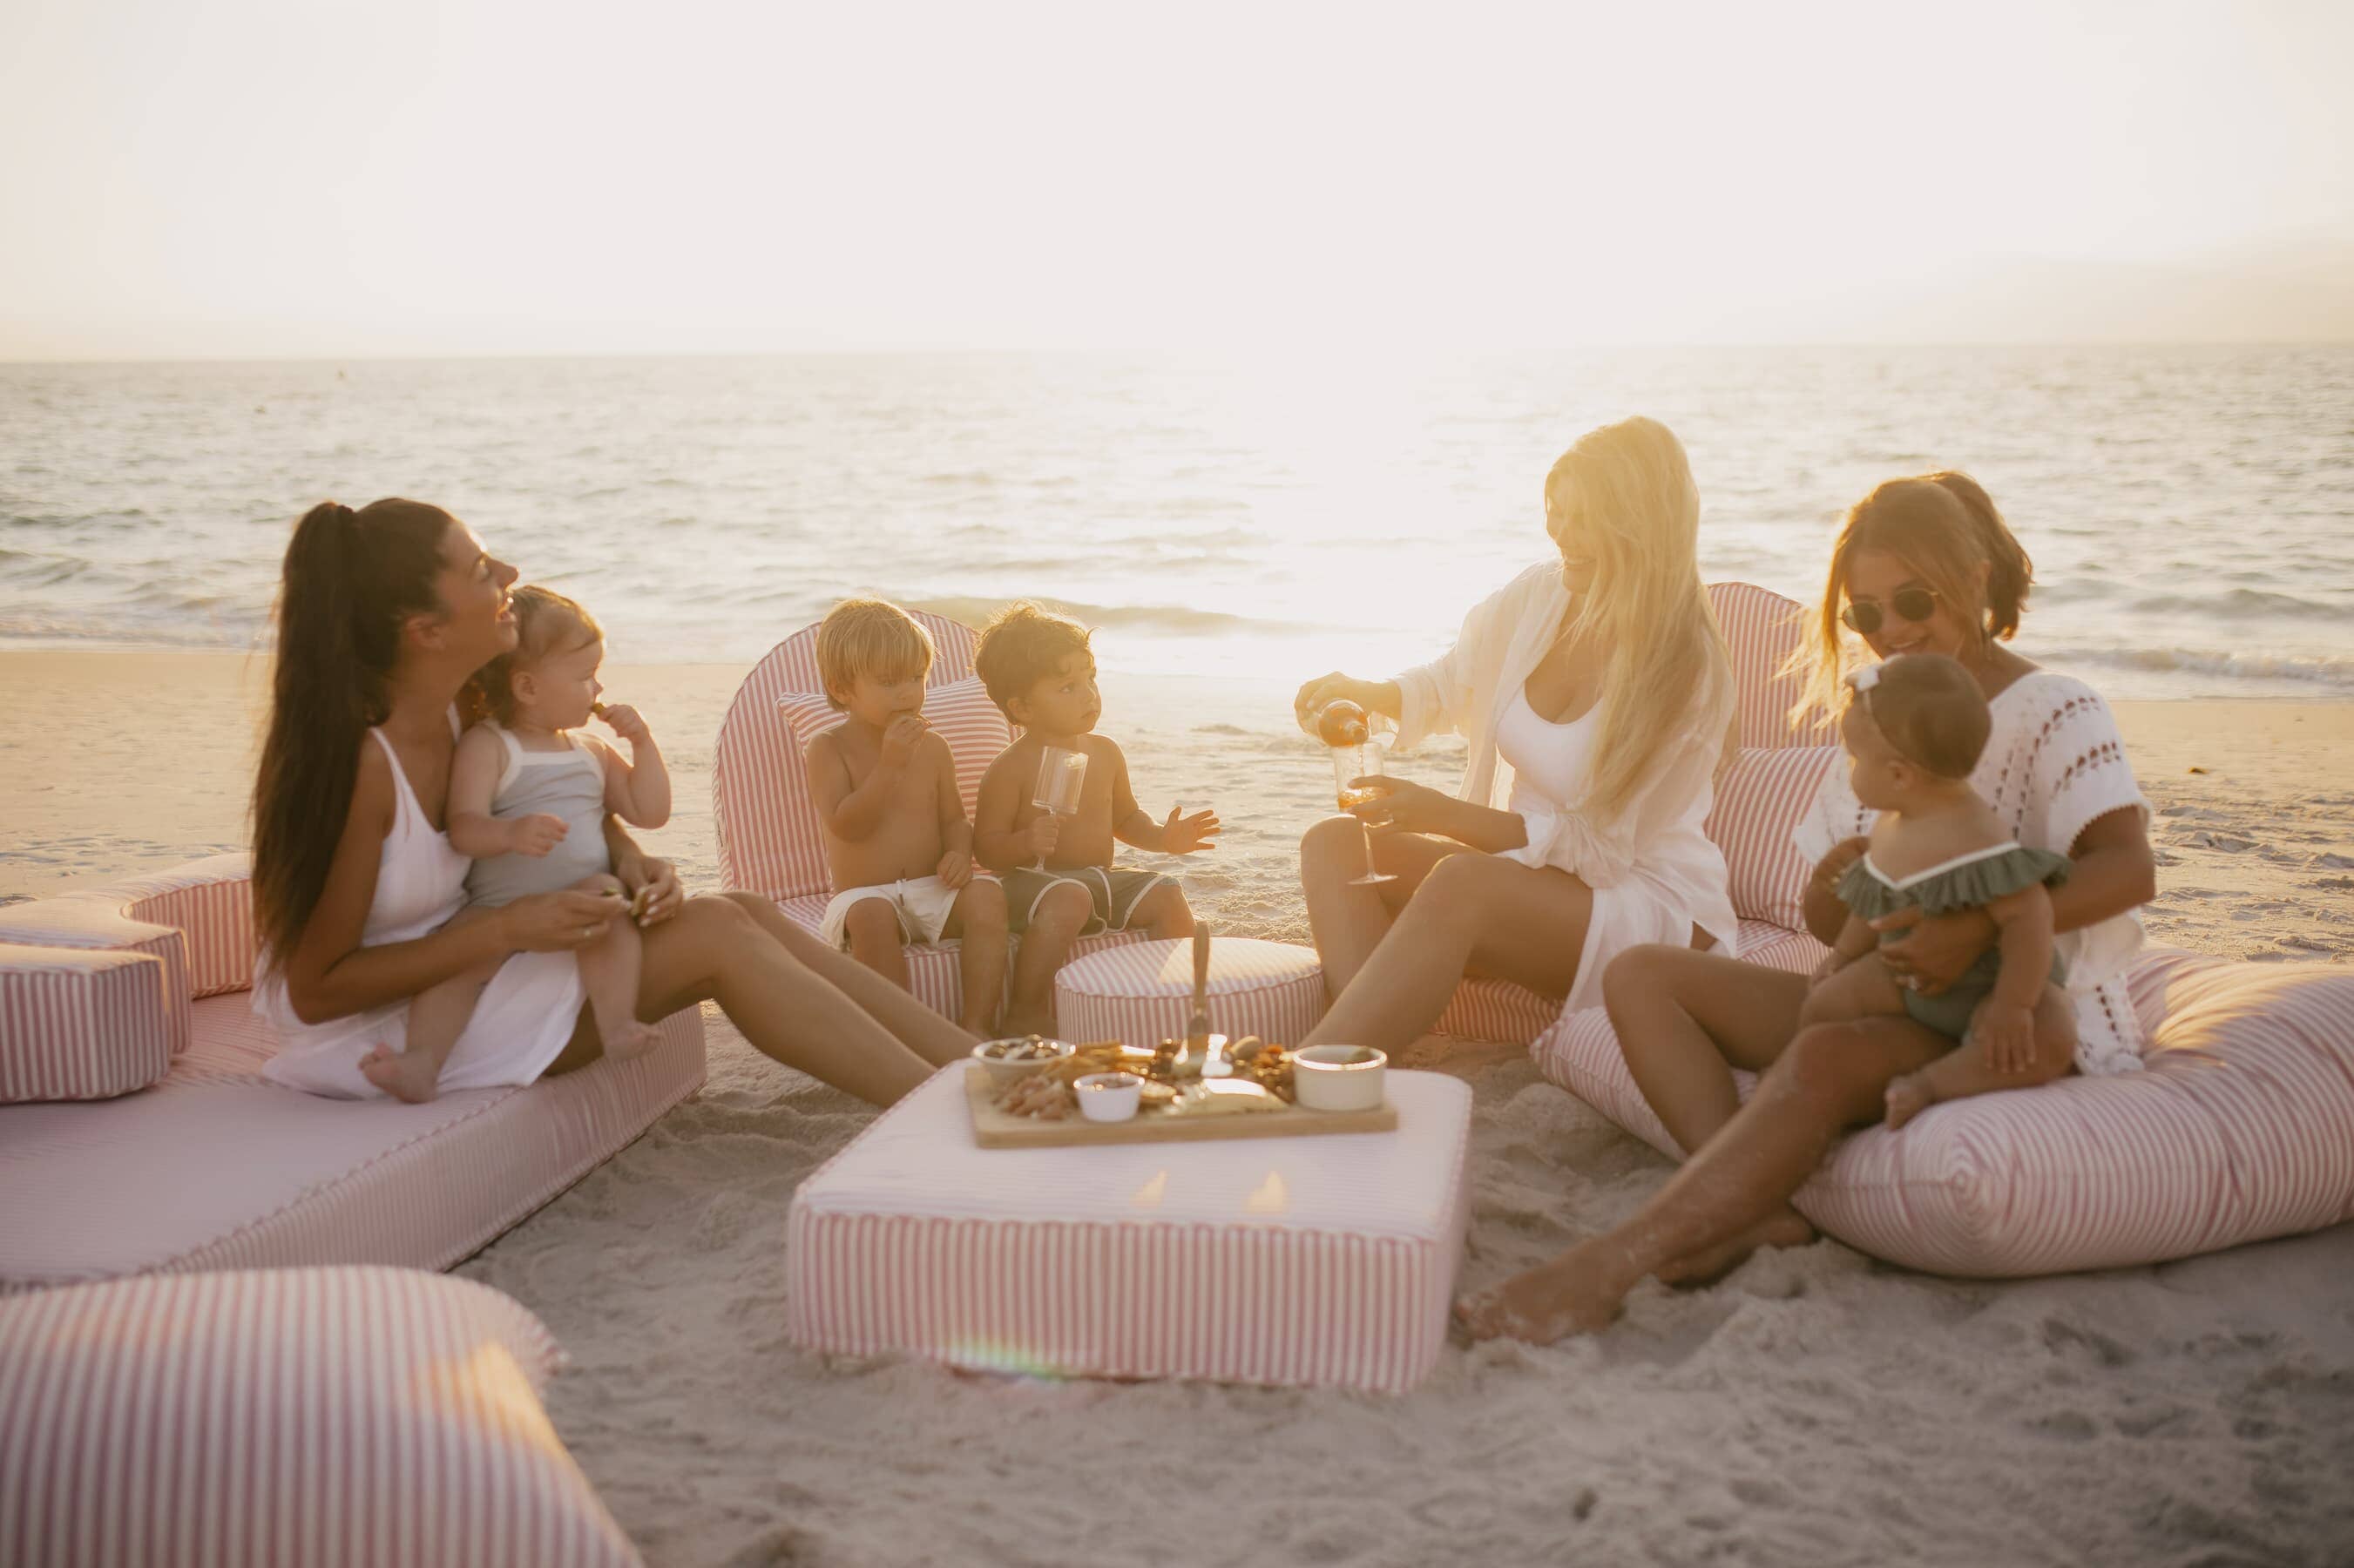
520, 1025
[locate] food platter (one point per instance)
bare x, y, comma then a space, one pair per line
996, 1129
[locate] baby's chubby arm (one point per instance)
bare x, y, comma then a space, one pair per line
1856, 939
2005, 1025
638, 790
474, 781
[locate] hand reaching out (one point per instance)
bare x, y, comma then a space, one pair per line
535, 835
1184, 835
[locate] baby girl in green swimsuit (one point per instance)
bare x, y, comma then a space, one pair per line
1914, 729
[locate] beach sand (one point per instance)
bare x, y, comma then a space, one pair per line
1814, 1408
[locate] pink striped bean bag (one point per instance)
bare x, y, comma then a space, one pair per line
94, 1189
358, 1417
2239, 1127
81, 1025
770, 839
1144, 993
1275, 1260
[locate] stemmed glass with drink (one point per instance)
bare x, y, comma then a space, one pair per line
1357, 748
1061, 774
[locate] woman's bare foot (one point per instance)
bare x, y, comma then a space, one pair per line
1570, 1295
1706, 1266
409, 1075
1908, 1097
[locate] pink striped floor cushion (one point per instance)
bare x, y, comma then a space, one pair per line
759, 797
210, 903
97, 922
2239, 1127
1759, 799
935, 972
1484, 1009
81, 1025
362, 1418
1144, 994
217, 1168
1269, 1260
960, 713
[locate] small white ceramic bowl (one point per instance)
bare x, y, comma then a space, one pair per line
1109, 1097
1338, 1077
990, 1053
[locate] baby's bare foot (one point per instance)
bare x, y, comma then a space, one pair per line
630, 1041
405, 1076
1908, 1097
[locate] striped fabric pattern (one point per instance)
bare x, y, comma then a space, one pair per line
1759, 800
1764, 629
1487, 1008
81, 1025
1282, 1261
2239, 1127
768, 841
210, 902
362, 1418
292, 1179
960, 713
1143, 993
95, 922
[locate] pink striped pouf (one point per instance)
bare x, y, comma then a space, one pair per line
1271, 1260
1142, 994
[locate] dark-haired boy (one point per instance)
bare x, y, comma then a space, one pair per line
1060, 884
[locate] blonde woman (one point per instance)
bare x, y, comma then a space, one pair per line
1924, 564
1597, 691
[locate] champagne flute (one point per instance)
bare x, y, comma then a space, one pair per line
1061, 774
1357, 748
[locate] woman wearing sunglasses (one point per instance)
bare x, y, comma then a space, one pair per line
1922, 565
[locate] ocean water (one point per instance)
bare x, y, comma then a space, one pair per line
2191, 510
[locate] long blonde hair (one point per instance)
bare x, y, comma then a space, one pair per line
1944, 526
1626, 490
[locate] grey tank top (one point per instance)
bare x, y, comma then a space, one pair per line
567, 784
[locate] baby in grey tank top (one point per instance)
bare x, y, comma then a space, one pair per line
529, 794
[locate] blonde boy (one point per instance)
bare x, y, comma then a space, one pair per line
1060, 884
895, 834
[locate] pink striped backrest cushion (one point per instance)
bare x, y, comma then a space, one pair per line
1764, 629
961, 713
81, 1025
363, 1417
768, 841
210, 902
1759, 800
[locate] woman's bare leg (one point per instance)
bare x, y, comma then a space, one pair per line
1684, 1021
1831, 1078
1346, 922
919, 1028
712, 951
1471, 912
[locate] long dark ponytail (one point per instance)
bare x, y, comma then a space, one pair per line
351, 578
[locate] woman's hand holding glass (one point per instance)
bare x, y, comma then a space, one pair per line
1401, 806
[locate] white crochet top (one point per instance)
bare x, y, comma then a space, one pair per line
2054, 763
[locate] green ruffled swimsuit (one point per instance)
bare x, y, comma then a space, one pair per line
1971, 882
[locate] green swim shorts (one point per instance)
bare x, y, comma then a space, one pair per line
1115, 893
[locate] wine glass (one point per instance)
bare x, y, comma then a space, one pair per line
1357, 745
1061, 774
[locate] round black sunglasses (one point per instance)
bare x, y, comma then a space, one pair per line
1912, 604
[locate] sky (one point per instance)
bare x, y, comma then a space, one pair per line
263, 178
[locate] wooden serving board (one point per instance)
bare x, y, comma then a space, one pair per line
993, 1128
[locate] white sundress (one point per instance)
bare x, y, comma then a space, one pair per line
2053, 764
526, 1014
1655, 873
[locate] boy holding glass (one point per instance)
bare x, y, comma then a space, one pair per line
1046, 824
897, 840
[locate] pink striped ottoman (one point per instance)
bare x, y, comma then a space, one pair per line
1265, 1260
1144, 993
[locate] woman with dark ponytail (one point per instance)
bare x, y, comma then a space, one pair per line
384, 616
